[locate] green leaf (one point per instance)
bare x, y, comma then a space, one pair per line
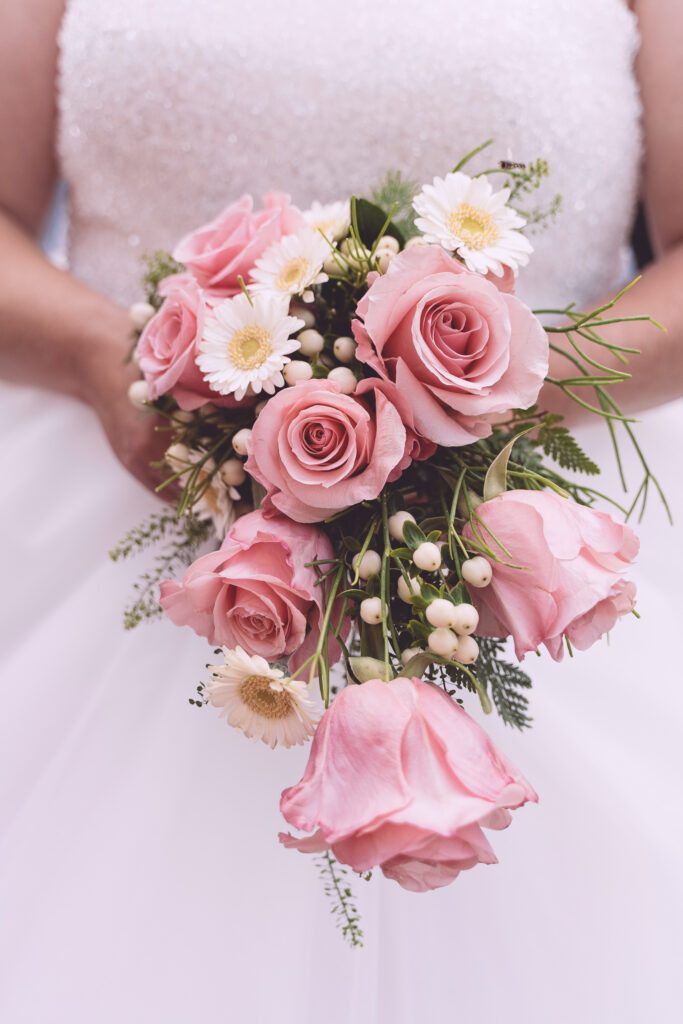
413, 535
417, 666
365, 668
371, 220
495, 482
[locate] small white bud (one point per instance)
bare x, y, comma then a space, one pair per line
389, 243
441, 613
140, 314
418, 240
297, 370
240, 441
477, 571
307, 296
368, 565
443, 642
177, 456
397, 522
303, 314
233, 473
356, 255
334, 265
468, 650
427, 556
311, 342
371, 610
344, 378
406, 591
183, 416
384, 258
344, 349
409, 654
466, 619
138, 394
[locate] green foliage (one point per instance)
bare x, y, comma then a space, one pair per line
559, 445
505, 682
183, 539
337, 889
159, 265
396, 191
371, 221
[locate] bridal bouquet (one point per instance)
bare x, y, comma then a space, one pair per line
350, 396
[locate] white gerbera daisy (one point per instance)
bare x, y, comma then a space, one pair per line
466, 216
292, 265
333, 219
261, 701
216, 501
246, 343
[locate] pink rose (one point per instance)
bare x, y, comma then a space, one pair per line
571, 583
227, 248
256, 592
169, 343
317, 451
401, 777
461, 348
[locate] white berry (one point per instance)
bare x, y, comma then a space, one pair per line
417, 241
384, 258
389, 243
334, 265
138, 394
397, 522
477, 571
311, 342
427, 556
344, 349
468, 650
441, 612
466, 619
297, 370
443, 642
407, 591
240, 441
409, 654
232, 473
371, 610
344, 378
303, 314
140, 313
367, 565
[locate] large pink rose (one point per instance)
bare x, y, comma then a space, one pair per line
256, 591
317, 451
571, 582
458, 345
169, 343
401, 777
227, 248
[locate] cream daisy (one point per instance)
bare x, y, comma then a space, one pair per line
292, 265
217, 498
333, 219
246, 344
466, 216
261, 701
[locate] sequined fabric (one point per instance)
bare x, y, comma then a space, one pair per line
169, 109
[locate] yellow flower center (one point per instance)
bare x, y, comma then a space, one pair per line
475, 227
256, 693
249, 347
294, 274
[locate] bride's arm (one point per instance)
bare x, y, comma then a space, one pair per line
658, 371
54, 331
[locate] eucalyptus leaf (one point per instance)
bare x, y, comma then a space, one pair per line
417, 666
365, 668
495, 482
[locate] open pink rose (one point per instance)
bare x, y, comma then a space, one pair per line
169, 343
256, 592
401, 777
571, 584
317, 451
461, 348
227, 248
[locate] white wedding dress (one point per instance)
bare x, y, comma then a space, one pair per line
141, 879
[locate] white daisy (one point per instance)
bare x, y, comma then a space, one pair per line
333, 219
216, 502
466, 216
292, 265
246, 344
262, 701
